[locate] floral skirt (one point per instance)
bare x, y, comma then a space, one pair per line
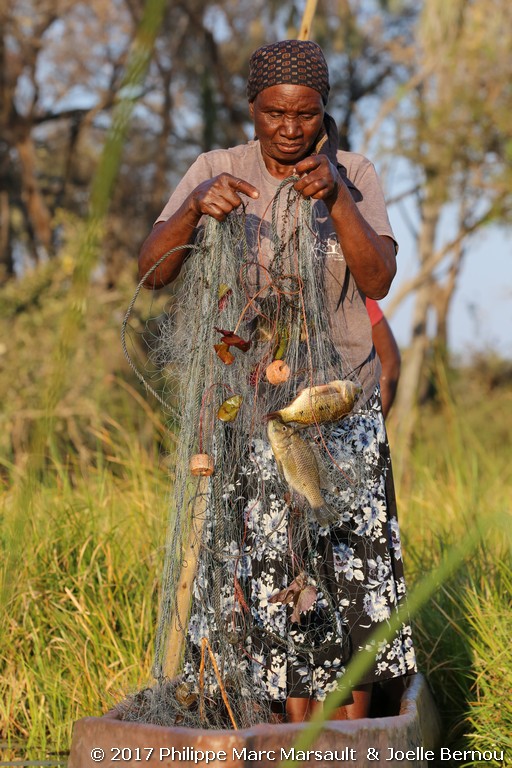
287, 601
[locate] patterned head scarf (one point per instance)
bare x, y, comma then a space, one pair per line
295, 62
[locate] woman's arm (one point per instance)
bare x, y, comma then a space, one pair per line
166, 235
369, 256
389, 354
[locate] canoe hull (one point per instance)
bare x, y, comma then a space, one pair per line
410, 738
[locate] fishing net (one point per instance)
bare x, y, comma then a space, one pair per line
255, 595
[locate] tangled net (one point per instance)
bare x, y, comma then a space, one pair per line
233, 313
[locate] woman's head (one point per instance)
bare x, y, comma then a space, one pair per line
288, 87
290, 62
288, 120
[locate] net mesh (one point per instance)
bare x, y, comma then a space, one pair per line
222, 634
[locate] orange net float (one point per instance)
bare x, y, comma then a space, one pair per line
277, 372
201, 465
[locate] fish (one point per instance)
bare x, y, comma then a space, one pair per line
298, 463
319, 405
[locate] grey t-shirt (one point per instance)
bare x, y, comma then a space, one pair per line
349, 322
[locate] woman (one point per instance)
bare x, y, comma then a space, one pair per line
358, 551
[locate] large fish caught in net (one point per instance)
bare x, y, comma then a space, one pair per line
281, 557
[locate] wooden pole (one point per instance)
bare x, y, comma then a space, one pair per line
180, 616
307, 20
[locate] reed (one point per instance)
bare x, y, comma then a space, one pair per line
461, 481
80, 612
80, 616
488, 616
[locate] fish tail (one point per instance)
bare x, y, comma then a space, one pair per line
326, 515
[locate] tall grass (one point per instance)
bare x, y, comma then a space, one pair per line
461, 480
79, 622
80, 618
74, 589
488, 611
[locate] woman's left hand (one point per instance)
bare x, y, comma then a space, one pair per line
370, 257
319, 179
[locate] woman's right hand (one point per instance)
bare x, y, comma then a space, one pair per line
215, 197
219, 196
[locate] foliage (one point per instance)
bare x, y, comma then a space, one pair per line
453, 133
461, 479
81, 611
64, 65
487, 607
80, 547
99, 382
78, 627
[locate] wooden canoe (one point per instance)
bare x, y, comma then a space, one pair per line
401, 740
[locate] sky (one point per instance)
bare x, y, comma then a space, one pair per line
481, 313
480, 318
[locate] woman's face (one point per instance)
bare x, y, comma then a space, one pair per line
287, 120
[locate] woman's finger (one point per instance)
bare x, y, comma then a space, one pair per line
240, 185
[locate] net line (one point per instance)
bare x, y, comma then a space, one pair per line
269, 305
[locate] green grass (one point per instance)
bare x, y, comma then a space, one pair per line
86, 553
488, 612
461, 480
80, 613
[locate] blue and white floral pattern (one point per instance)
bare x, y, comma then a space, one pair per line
355, 565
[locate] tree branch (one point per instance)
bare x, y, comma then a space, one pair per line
431, 263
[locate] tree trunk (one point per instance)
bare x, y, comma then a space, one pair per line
6, 261
38, 213
160, 191
405, 409
443, 303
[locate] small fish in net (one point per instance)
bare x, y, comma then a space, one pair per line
297, 462
318, 405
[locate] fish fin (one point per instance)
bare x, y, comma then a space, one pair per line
326, 484
326, 515
324, 479
278, 416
